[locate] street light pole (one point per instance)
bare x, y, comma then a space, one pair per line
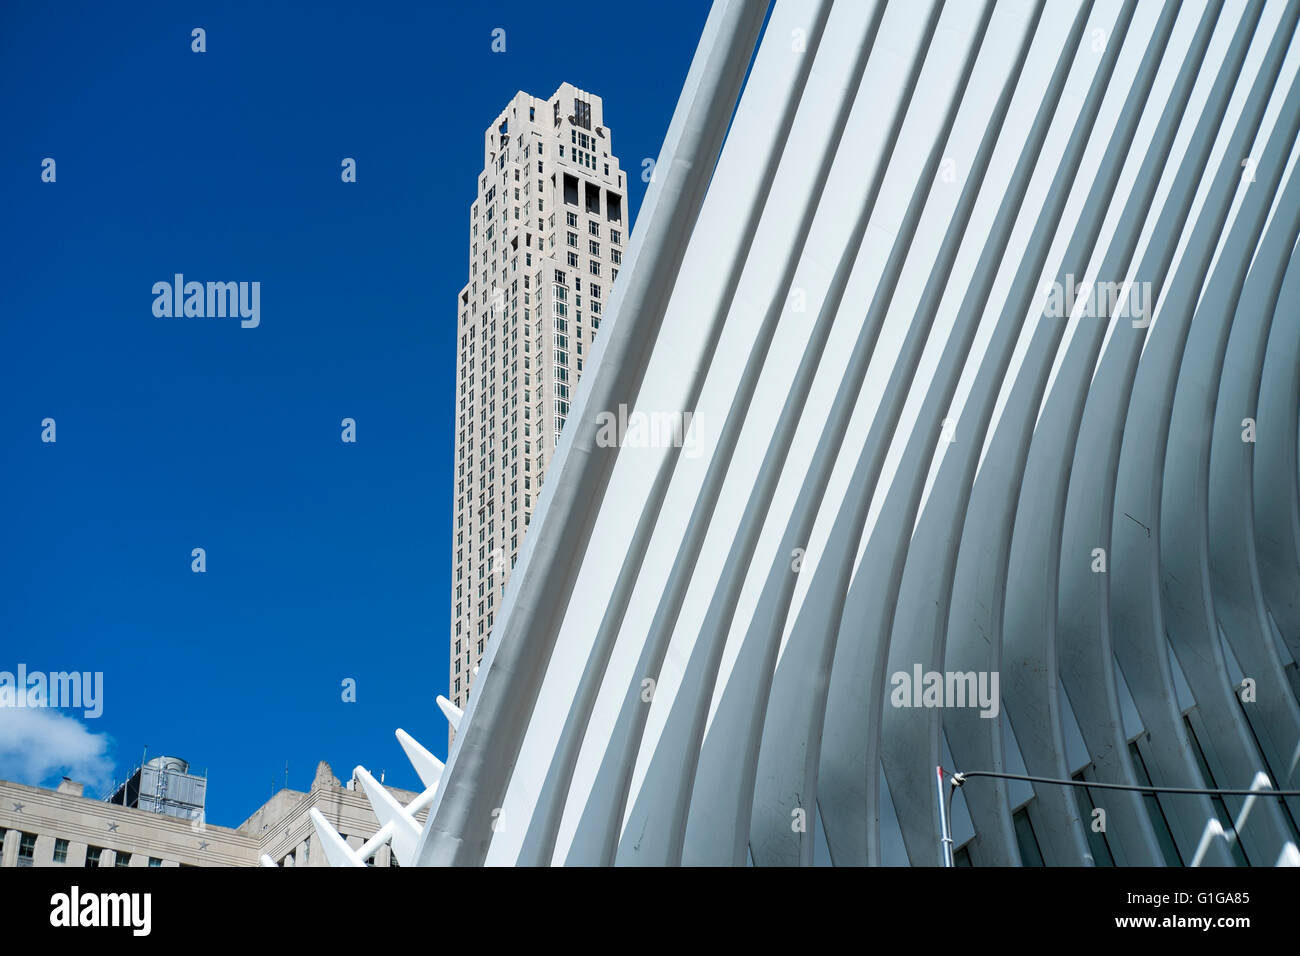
945, 841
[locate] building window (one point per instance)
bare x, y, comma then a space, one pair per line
1101, 854
1221, 808
1030, 855
92, 855
154, 861
60, 851
595, 267
26, 849
123, 859
1164, 835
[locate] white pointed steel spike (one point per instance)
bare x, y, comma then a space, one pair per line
267, 861
405, 832
375, 842
451, 711
427, 766
1290, 856
336, 848
1213, 829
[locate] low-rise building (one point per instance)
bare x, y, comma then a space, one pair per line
63, 827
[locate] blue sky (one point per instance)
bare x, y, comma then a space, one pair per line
325, 560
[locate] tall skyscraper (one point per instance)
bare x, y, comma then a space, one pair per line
547, 231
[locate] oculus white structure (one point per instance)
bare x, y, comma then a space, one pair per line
986, 316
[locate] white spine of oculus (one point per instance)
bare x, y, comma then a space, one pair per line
984, 315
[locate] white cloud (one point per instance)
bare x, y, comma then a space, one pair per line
38, 743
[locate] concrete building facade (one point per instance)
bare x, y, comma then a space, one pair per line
547, 231
63, 827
